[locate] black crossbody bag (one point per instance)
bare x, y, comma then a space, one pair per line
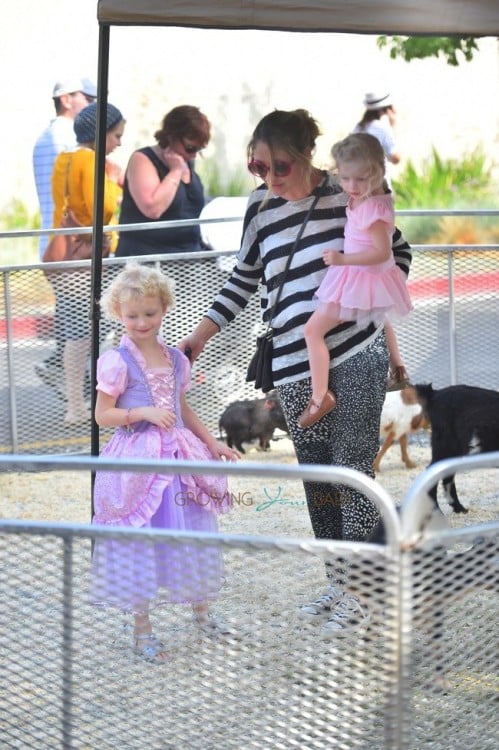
260, 367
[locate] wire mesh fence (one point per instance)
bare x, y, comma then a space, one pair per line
420, 672
454, 679
452, 336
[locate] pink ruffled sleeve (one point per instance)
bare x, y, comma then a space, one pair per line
111, 373
376, 208
185, 373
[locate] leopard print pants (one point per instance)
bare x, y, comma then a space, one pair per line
347, 436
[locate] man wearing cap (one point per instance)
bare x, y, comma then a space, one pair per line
379, 120
70, 96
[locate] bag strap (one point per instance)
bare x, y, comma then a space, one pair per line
290, 256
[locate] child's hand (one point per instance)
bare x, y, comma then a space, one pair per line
332, 258
220, 450
161, 417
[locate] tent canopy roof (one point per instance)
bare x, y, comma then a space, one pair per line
408, 17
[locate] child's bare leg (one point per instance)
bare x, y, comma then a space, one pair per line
399, 376
142, 623
209, 625
146, 644
318, 353
74, 361
201, 609
323, 400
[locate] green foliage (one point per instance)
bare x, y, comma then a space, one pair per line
15, 215
220, 180
413, 47
442, 183
18, 250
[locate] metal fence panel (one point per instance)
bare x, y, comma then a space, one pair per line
423, 674
455, 675
451, 336
71, 680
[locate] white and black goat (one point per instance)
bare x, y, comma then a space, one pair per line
402, 415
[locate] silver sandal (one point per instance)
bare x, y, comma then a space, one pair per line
151, 649
213, 627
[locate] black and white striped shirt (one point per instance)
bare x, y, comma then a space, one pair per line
268, 237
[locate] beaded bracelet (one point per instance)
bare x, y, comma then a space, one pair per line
127, 425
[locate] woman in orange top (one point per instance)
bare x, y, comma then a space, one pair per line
73, 188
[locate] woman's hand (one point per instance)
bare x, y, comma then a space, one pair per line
193, 344
174, 161
333, 258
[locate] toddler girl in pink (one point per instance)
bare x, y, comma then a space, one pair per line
140, 391
362, 283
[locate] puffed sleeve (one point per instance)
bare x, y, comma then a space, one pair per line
111, 373
185, 373
377, 208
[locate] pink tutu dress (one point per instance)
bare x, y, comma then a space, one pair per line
135, 575
366, 293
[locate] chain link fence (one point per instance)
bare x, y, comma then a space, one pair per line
451, 336
422, 674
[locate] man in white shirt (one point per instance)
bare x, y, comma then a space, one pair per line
379, 120
70, 96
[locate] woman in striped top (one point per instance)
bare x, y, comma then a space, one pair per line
280, 153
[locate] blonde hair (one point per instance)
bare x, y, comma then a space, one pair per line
362, 147
136, 281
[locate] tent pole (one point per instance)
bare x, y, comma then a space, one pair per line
98, 223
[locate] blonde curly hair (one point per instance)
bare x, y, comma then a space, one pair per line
137, 281
362, 147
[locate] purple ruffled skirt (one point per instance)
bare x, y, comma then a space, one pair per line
136, 576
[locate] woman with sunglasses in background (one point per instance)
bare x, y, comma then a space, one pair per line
161, 184
280, 153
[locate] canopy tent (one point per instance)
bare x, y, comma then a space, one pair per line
444, 17
419, 17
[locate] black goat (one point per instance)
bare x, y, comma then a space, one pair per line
464, 420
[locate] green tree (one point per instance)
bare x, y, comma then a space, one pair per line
413, 47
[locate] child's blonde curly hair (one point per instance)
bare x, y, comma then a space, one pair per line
137, 281
362, 147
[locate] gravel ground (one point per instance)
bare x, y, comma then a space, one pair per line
65, 496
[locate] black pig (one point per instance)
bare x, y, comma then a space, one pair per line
245, 421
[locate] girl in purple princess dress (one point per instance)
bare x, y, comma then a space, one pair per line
140, 391
362, 283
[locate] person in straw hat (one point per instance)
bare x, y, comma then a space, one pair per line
379, 120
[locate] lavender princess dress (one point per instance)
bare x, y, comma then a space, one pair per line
137, 575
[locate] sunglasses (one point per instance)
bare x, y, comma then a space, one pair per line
260, 169
192, 149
